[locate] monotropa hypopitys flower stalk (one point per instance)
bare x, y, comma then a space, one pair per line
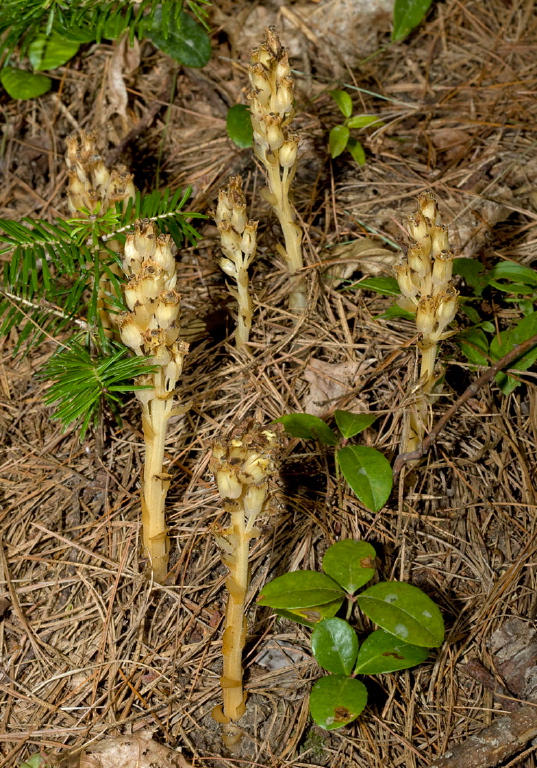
151, 328
94, 189
239, 241
242, 467
426, 288
272, 111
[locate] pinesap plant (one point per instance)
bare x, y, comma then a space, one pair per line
365, 469
409, 624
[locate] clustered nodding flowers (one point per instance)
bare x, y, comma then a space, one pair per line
92, 187
425, 276
271, 112
271, 103
242, 467
238, 237
151, 326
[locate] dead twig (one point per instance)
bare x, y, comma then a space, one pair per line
471, 391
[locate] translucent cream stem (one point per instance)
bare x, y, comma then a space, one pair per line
155, 487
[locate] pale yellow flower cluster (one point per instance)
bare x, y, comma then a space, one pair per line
91, 185
242, 467
271, 111
151, 328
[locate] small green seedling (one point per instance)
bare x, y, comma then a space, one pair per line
410, 623
340, 139
365, 469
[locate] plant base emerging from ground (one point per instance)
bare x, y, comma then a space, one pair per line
242, 467
410, 623
425, 282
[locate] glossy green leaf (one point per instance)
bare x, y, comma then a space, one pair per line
473, 342
381, 652
395, 311
343, 100
83, 34
308, 427
239, 126
350, 424
311, 616
362, 121
351, 563
293, 616
335, 646
404, 611
473, 273
386, 286
507, 340
517, 273
24, 85
187, 43
368, 473
407, 14
337, 140
300, 589
49, 52
471, 313
337, 700
356, 150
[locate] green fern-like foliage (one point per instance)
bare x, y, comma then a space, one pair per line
84, 20
50, 291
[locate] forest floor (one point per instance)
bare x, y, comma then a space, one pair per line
88, 647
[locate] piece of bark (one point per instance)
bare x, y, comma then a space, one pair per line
505, 737
514, 648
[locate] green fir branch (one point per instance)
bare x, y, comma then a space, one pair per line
82, 383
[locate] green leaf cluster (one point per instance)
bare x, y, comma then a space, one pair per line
50, 33
340, 138
365, 469
409, 624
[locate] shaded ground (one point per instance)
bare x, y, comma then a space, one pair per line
89, 648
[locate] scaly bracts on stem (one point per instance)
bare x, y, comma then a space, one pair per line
151, 328
425, 282
239, 241
271, 110
242, 467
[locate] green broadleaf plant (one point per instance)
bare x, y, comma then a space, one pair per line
365, 469
50, 34
339, 138
410, 622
